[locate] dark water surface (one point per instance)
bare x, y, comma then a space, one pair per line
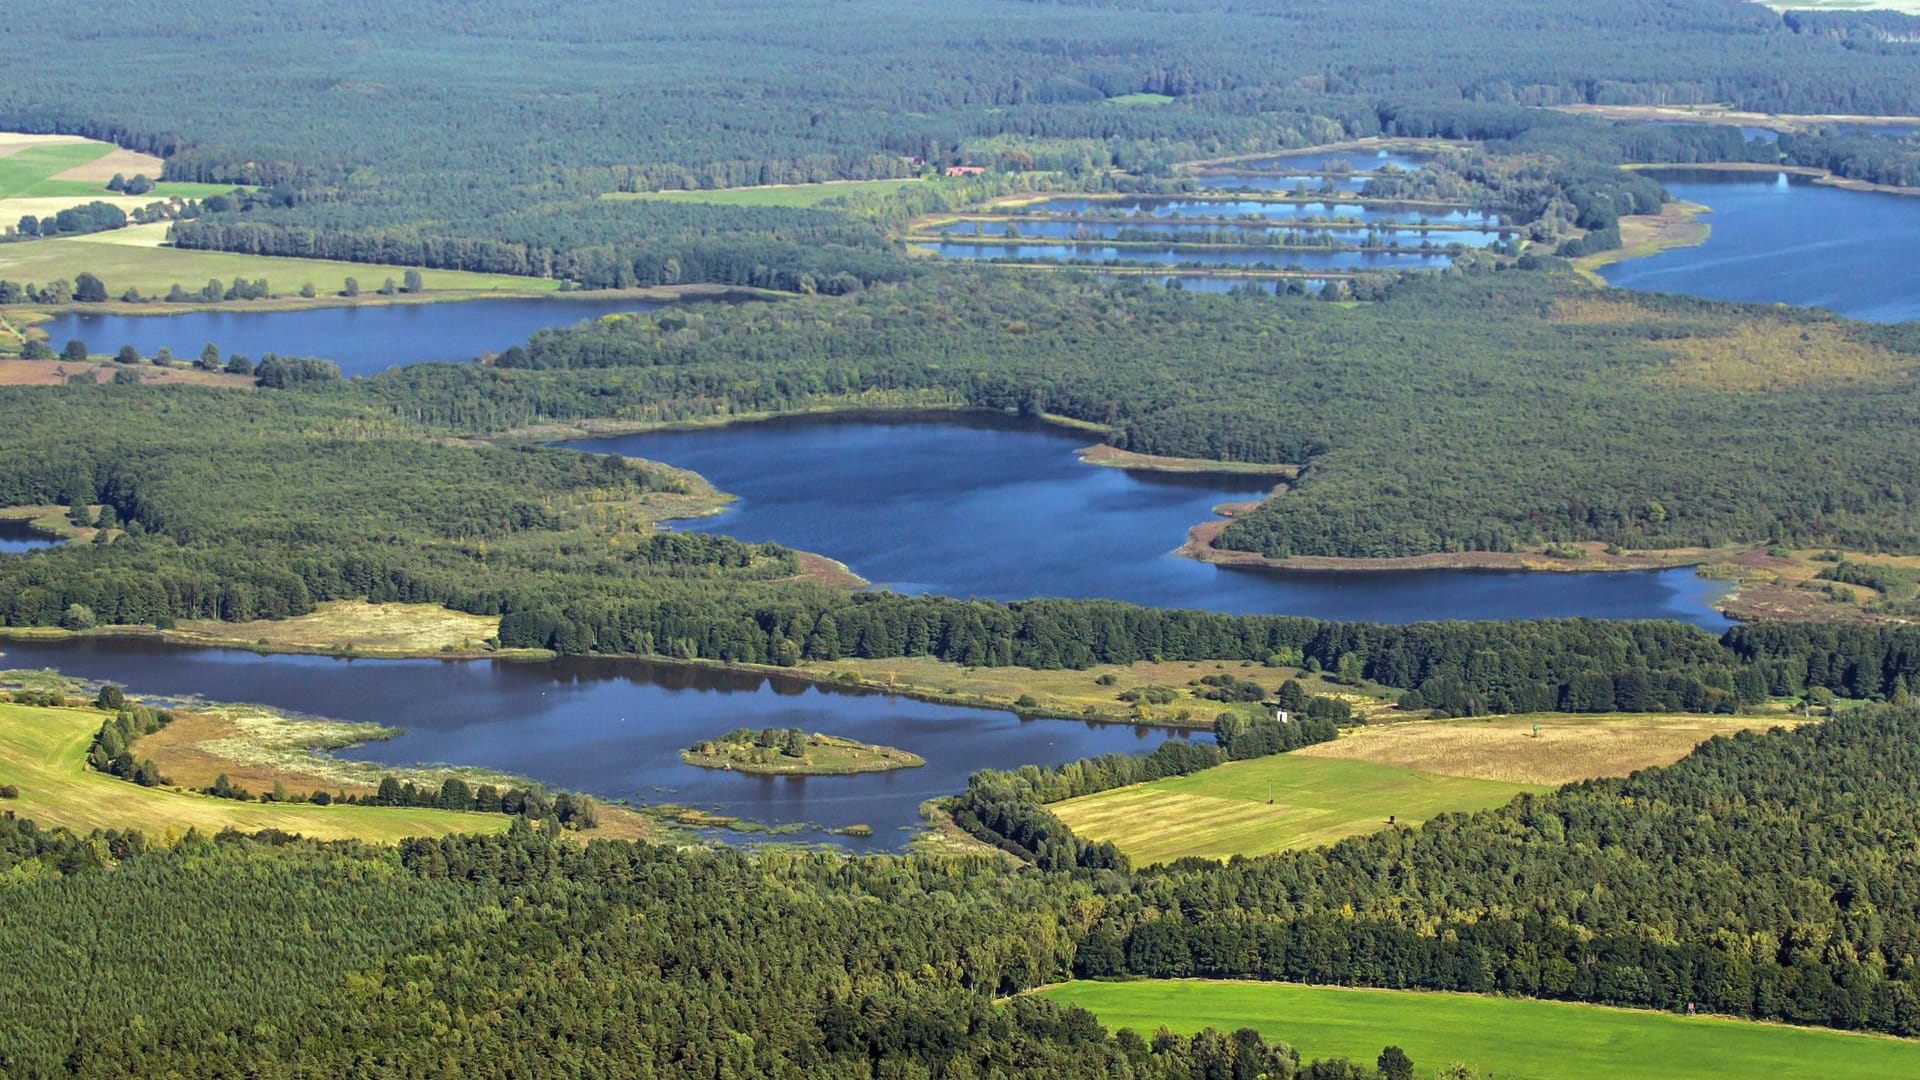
362, 340
17, 536
978, 505
613, 728
1783, 239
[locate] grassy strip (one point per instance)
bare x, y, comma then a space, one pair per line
1503, 1037
43, 755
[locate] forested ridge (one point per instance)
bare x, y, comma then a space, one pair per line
1762, 876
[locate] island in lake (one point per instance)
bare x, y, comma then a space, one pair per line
792, 752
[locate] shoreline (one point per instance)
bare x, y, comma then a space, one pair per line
1823, 177
655, 294
1677, 225
1201, 546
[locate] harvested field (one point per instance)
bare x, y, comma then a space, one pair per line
1568, 748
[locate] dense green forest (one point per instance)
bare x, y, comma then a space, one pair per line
1468, 411
1762, 876
347, 111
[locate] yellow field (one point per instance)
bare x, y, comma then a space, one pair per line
1405, 771
361, 627
1568, 748
43, 754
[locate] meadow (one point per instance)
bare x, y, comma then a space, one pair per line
1408, 771
784, 195
43, 754
1500, 1037
136, 256
1266, 805
49, 167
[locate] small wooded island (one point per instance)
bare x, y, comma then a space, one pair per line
792, 752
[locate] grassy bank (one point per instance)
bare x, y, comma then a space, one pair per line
1677, 225
136, 257
43, 754
1502, 1037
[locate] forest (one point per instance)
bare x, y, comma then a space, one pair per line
603, 101
1762, 876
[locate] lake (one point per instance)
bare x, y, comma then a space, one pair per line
1778, 238
17, 536
613, 728
993, 507
362, 340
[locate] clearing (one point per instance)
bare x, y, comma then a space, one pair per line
58, 171
1266, 805
788, 195
1409, 770
43, 754
1069, 693
135, 256
1505, 1037
359, 627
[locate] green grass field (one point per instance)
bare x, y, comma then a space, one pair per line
789, 195
132, 256
1507, 1038
1224, 811
30, 172
1140, 99
43, 754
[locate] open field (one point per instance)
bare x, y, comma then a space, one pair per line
1069, 693
1266, 805
1408, 770
135, 256
1500, 1037
1721, 114
1141, 98
788, 195
360, 627
58, 171
43, 754
17, 372
1505, 749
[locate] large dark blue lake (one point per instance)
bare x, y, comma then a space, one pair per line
612, 727
987, 506
1777, 238
362, 340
